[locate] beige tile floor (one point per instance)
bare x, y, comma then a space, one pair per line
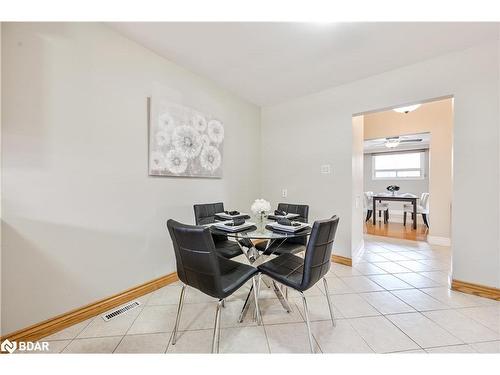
395, 299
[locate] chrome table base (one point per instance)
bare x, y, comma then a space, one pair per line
254, 256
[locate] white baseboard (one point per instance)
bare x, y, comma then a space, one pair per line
440, 241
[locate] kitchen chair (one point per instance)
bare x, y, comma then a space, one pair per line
303, 273
368, 202
200, 266
291, 245
205, 214
422, 208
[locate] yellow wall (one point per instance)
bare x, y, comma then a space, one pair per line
436, 118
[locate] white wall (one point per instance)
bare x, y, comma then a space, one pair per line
81, 218
357, 242
318, 127
416, 186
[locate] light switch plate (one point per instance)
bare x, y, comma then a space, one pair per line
284, 193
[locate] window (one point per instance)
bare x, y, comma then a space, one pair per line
398, 166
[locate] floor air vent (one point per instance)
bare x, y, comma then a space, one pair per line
121, 310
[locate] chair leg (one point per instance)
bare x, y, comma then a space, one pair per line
404, 218
424, 216
281, 297
368, 214
330, 307
255, 284
216, 338
306, 313
179, 311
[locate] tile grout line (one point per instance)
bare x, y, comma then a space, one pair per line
467, 317
75, 337
362, 338
131, 324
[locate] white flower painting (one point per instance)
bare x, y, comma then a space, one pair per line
176, 161
187, 140
210, 158
215, 131
184, 142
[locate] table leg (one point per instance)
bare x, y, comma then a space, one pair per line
374, 212
246, 305
415, 214
266, 283
253, 256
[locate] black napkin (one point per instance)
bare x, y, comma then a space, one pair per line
283, 221
288, 223
236, 222
232, 213
279, 213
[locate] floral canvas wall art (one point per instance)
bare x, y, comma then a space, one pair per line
183, 141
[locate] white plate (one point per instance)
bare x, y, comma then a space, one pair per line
287, 216
287, 228
220, 225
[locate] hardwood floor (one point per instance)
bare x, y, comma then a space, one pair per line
397, 230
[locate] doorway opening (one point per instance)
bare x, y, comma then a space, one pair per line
407, 169
396, 170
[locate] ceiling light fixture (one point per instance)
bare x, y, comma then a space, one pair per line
407, 109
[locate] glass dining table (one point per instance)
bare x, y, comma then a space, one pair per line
272, 239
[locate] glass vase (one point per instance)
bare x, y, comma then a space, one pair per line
260, 221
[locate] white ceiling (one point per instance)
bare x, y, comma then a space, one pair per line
270, 62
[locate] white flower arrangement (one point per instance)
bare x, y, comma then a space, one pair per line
261, 206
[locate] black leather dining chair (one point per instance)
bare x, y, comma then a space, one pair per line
205, 214
200, 266
291, 245
303, 273
301, 209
